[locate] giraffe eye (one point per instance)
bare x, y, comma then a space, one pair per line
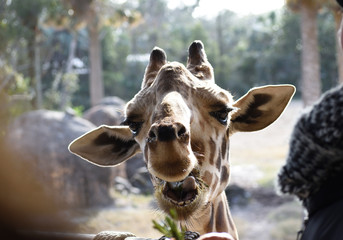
134, 126
222, 115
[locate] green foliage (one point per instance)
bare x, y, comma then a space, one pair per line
11, 81
244, 51
78, 110
14, 94
115, 48
64, 85
169, 227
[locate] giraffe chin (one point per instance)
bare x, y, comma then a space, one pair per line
185, 196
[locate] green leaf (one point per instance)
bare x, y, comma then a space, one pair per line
169, 227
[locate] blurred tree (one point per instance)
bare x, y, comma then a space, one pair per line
255, 50
65, 24
94, 15
28, 15
86, 12
22, 38
337, 13
285, 53
115, 49
66, 32
328, 51
245, 51
93, 25
311, 83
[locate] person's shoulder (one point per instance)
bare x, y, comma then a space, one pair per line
326, 224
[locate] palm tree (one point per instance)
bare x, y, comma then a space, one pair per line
310, 66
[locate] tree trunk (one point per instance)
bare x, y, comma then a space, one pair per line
96, 81
31, 70
38, 72
310, 66
65, 94
339, 51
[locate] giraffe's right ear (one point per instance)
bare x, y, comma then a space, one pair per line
260, 107
105, 145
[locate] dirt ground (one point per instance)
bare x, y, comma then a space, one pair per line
255, 159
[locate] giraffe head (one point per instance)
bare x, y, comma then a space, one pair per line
181, 121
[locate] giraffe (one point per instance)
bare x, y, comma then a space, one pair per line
182, 121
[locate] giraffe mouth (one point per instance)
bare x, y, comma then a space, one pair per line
185, 196
185, 192
181, 193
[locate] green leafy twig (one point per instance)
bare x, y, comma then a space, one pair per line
169, 227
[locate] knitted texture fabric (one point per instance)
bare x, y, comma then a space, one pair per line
316, 147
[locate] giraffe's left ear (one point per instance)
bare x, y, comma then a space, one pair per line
260, 107
105, 145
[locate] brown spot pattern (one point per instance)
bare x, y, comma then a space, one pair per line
210, 225
219, 162
224, 174
199, 151
207, 178
146, 153
215, 182
221, 218
230, 221
212, 150
224, 147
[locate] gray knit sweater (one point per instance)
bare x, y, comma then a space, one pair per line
316, 147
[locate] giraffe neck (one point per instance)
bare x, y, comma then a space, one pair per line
216, 217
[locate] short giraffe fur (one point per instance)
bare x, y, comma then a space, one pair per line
182, 121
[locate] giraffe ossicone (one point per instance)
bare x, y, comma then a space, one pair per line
181, 121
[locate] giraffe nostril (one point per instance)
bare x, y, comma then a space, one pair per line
181, 132
152, 136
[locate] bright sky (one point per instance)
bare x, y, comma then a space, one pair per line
210, 8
